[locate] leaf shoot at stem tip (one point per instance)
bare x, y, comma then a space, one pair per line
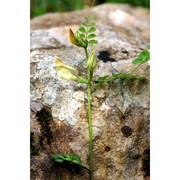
85, 34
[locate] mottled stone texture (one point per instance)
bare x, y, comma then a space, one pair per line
120, 110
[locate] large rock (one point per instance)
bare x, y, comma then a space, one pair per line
120, 110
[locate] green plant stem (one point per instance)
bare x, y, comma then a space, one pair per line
90, 121
90, 128
86, 54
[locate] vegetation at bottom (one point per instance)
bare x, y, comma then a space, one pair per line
40, 7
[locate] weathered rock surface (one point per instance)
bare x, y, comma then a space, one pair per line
120, 111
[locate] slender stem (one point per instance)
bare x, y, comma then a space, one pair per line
90, 121
86, 54
90, 128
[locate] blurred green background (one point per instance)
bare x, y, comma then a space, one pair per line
39, 7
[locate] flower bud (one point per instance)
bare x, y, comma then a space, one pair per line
91, 62
72, 38
76, 39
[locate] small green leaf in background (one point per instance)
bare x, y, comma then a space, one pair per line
93, 42
148, 46
142, 58
91, 30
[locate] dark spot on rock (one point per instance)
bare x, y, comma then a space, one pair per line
126, 130
104, 56
107, 148
146, 162
44, 117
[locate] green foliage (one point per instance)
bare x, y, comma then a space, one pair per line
142, 58
86, 30
39, 7
84, 35
143, 3
113, 77
69, 158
